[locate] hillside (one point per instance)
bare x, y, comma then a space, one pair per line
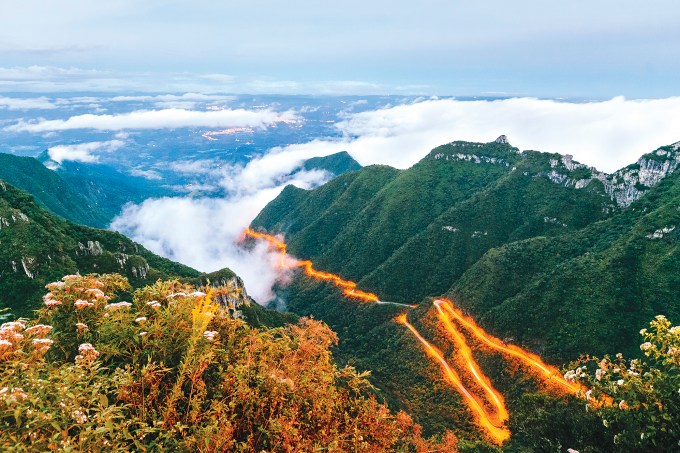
335, 164
109, 189
586, 291
50, 190
533, 245
38, 247
173, 370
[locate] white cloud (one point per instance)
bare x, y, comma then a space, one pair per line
83, 152
608, 134
194, 167
157, 119
41, 103
54, 79
151, 175
194, 97
205, 233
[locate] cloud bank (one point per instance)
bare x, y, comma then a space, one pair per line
205, 233
608, 134
157, 119
41, 103
83, 152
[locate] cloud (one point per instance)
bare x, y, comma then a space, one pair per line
194, 97
205, 232
83, 152
151, 175
194, 167
41, 103
54, 79
608, 134
157, 119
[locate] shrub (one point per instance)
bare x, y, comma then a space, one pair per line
171, 370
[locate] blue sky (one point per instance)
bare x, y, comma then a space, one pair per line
589, 49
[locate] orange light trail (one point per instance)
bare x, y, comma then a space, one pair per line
348, 287
493, 423
466, 354
548, 372
498, 433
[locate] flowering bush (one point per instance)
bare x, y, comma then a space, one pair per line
644, 393
172, 371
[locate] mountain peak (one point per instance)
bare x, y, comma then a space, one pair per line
502, 139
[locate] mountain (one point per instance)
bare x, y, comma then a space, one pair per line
51, 190
375, 226
39, 247
587, 291
335, 164
106, 188
539, 249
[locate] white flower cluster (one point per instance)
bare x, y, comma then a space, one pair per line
118, 306
87, 354
210, 335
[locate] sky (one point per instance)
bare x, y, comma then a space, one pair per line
578, 49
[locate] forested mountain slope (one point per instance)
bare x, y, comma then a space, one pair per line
37, 247
541, 250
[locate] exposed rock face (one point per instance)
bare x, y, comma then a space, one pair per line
623, 186
235, 298
29, 265
478, 159
140, 271
661, 232
502, 139
92, 248
15, 216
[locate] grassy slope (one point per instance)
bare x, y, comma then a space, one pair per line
585, 292
50, 190
390, 235
337, 164
50, 248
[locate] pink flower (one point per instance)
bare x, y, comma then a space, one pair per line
96, 293
80, 304
14, 326
82, 328
55, 285
210, 335
14, 395
79, 417
39, 330
42, 345
87, 354
5, 346
118, 306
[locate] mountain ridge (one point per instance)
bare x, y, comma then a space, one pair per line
505, 225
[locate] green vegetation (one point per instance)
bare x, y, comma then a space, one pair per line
644, 414
50, 190
38, 247
172, 371
108, 189
560, 270
336, 164
587, 291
